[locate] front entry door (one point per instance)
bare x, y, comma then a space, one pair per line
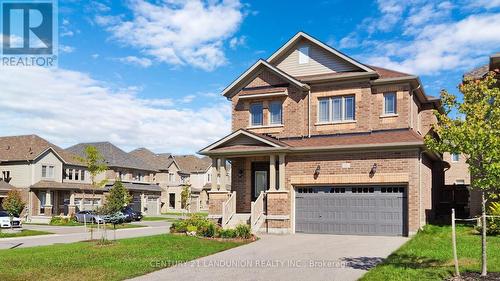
260, 178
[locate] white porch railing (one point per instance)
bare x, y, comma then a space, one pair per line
228, 208
257, 212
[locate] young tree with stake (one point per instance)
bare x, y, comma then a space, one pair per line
472, 127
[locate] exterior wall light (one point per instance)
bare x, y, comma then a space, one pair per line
316, 172
373, 170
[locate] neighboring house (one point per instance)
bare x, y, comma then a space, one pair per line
51, 180
5, 187
169, 177
322, 143
175, 172
200, 173
137, 176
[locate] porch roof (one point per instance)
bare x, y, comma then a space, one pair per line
363, 140
5, 186
44, 184
137, 186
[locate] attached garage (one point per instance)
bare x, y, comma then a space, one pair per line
358, 210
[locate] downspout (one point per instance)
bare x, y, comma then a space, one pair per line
411, 106
309, 114
420, 189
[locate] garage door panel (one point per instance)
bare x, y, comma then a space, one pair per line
356, 210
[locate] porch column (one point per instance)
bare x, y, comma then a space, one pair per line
215, 174
71, 206
143, 198
223, 174
282, 172
48, 204
272, 172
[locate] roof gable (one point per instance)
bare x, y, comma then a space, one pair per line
31, 147
326, 57
243, 140
252, 72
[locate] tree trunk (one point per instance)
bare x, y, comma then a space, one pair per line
454, 242
484, 266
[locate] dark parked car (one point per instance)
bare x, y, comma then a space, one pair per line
131, 214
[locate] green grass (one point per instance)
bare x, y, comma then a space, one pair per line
428, 256
67, 223
155, 219
118, 226
203, 214
24, 232
122, 259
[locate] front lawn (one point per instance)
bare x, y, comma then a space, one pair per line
428, 256
123, 259
22, 233
118, 226
156, 219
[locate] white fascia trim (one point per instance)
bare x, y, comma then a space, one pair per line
55, 153
254, 96
319, 43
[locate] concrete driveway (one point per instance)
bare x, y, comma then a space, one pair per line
289, 257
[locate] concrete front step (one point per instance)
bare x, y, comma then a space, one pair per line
237, 219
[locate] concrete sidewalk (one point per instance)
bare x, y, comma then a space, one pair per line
71, 234
288, 257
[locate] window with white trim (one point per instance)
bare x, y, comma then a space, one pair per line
275, 110
455, 157
336, 109
303, 55
256, 115
389, 103
48, 171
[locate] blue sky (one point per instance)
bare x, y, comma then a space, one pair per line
141, 73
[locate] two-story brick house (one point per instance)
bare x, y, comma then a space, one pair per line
137, 176
322, 143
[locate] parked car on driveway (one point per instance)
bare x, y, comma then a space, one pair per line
6, 222
89, 216
131, 214
116, 218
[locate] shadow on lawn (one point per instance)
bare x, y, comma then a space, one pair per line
396, 260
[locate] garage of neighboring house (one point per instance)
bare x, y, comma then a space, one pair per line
145, 197
357, 210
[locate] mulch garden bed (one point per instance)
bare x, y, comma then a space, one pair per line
474, 276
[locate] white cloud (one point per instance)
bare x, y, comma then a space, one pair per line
66, 49
428, 37
237, 41
67, 107
178, 32
439, 47
142, 62
486, 4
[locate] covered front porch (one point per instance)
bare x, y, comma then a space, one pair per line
258, 195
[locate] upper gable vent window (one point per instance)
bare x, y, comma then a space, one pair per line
303, 55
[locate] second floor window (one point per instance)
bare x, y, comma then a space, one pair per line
275, 110
336, 109
455, 157
256, 116
171, 177
47, 171
389, 103
6, 175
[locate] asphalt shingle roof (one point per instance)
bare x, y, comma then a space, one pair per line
29, 147
113, 155
192, 163
160, 162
